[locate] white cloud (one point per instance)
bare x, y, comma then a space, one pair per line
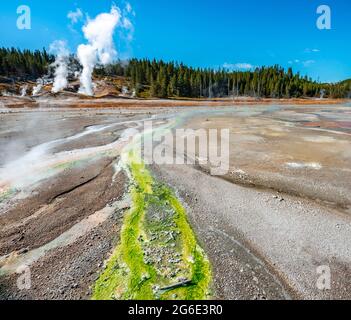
307, 63
240, 65
75, 16
309, 50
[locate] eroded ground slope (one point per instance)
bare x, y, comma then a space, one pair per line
283, 210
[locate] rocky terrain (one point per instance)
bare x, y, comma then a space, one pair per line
74, 211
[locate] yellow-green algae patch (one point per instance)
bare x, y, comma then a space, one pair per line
158, 256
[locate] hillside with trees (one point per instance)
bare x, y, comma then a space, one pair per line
24, 64
172, 80
152, 78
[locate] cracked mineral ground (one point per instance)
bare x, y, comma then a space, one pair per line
89, 224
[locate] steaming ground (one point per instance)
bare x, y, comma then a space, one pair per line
282, 211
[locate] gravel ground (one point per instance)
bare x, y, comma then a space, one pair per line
56, 205
69, 272
264, 244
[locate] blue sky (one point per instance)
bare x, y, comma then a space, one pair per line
204, 33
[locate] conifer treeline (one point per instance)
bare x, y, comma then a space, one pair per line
167, 80
24, 64
152, 78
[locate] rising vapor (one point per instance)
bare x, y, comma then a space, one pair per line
38, 87
99, 49
59, 48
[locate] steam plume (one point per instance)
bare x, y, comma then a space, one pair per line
24, 90
61, 65
38, 87
100, 47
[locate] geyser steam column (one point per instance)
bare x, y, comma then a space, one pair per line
60, 64
100, 47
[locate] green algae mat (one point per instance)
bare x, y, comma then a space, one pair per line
158, 257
